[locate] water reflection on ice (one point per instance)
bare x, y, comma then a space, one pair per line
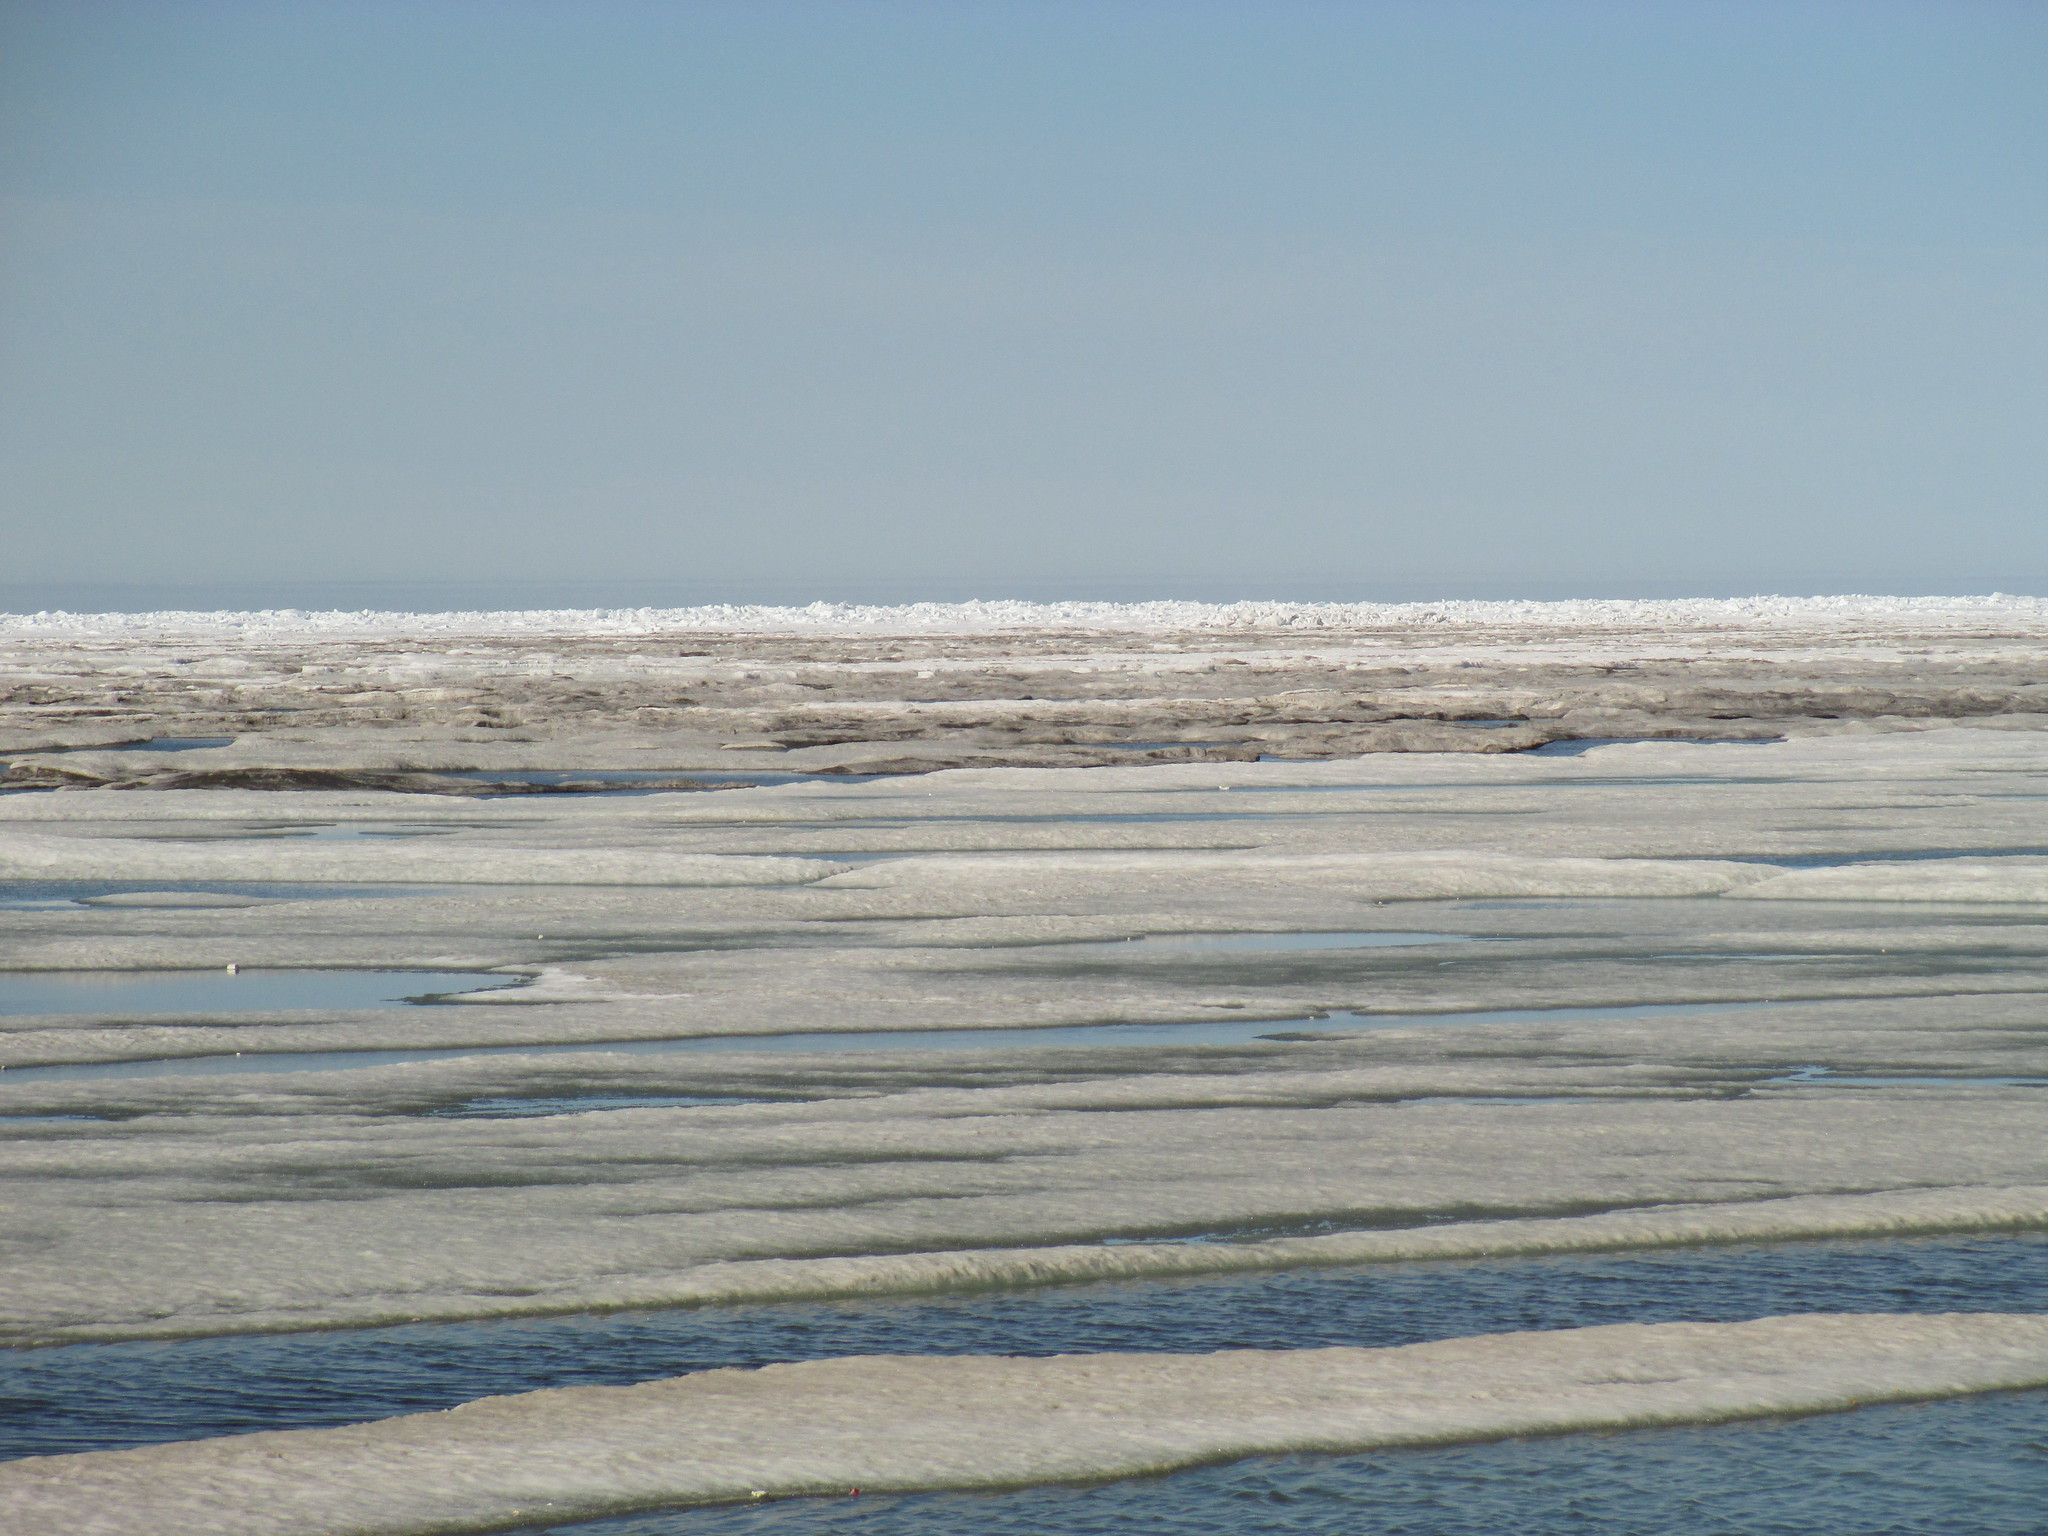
103, 992
52, 895
502, 1108
169, 744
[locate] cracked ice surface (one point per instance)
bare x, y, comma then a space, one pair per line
186, 1203
1684, 993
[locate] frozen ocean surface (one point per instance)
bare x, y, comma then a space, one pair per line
822, 1428
1746, 997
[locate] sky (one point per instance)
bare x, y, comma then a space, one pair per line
489, 302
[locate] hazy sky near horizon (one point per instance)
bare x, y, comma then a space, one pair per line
959, 298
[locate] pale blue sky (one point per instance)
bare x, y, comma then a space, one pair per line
656, 301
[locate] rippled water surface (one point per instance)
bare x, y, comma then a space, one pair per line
101, 1396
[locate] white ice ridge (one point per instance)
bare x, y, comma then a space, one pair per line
891, 1422
982, 617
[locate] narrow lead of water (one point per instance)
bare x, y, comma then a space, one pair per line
501, 1108
101, 1396
173, 744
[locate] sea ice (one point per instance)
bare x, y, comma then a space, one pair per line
884, 1422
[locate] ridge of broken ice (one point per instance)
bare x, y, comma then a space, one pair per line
983, 616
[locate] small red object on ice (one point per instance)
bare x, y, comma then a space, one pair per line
853, 1493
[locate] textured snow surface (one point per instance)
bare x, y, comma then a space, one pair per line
975, 617
896, 1422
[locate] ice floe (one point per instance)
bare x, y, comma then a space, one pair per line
1667, 1032
897, 1422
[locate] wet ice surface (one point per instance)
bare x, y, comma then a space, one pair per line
1973, 1467
1579, 746
173, 744
104, 1396
1099, 1036
153, 744
96, 992
1205, 942
509, 1108
1152, 746
84, 895
1888, 856
1824, 1077
316, 831
632, 780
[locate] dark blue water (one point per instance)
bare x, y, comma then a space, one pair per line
100, 1396
1972, 1467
